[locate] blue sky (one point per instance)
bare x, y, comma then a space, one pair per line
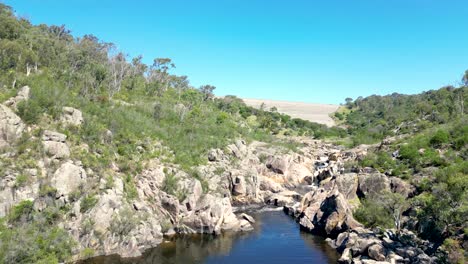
311, 51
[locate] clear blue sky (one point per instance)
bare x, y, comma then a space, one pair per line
312, 51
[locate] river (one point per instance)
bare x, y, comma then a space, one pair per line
276, 239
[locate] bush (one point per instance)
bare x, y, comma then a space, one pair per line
455, 253
35, 243
88, 202
22, 211
129, 188
372, 214
29, 111
124, 222
170, 184
21, 180
440, 137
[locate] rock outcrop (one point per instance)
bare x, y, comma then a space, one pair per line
11, 126
23, 95
55, 145
67, 179
72, 116
365, 246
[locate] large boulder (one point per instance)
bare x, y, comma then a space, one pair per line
53, 136
347, 184
327, 213
216, 155
11, 126
398, 185
11, 195
238, 149
268, 184
54, 144
213, 215
193, 190
374, 183
279, 165
72, 116
68, 179
376, 251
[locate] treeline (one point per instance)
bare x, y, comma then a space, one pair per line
375, 117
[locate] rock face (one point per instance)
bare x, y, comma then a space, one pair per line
347, 185
72, 116
10, 195
23, 95
326, 212
68, 179
374, 183
213, 215
54, 144
11, 126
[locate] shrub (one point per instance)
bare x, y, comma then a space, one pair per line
21, 180
440, 137
372, 214
170, 184
87, 253
47, 190
455, 253
129, 188
88, 202
123, 222
29, 111
22, 211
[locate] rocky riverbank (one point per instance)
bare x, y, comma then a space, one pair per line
129, 215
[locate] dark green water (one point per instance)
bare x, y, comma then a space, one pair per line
276, 239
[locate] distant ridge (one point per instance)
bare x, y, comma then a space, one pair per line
319, 113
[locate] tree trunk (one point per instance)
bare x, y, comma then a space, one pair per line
28, 69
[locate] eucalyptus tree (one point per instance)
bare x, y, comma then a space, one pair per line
207, 91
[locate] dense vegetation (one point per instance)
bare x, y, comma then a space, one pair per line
373, 118
428, 135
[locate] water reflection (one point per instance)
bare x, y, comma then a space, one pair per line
276, 239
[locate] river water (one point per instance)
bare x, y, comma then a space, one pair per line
276, 239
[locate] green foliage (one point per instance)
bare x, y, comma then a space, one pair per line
440, 137
455, 252
33, 237
22, 211
444, 208
47, 190
130, 188
34, 243
21, 180
372, 214
123, 222
375, 117
88, 202
170, 184
87, 253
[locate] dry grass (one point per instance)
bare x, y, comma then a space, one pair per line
319, 113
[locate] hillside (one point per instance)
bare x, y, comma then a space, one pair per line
318, 113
